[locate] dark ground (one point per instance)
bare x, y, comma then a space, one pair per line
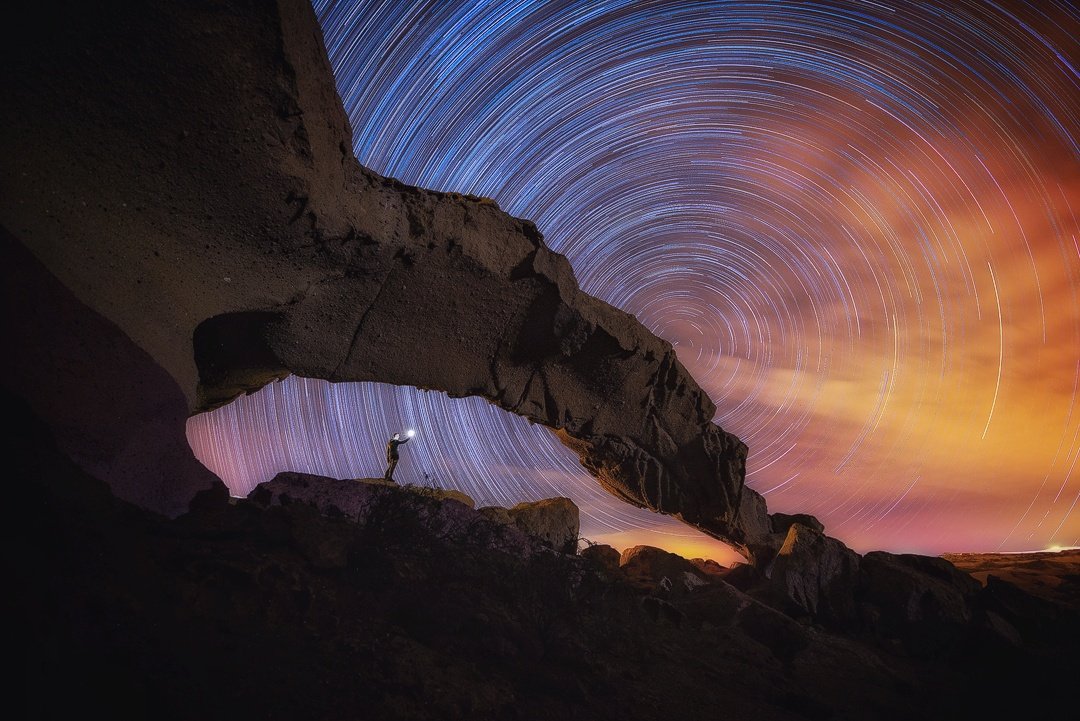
245, 610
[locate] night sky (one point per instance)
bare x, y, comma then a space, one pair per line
857, 222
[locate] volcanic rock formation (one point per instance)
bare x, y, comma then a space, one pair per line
185, 170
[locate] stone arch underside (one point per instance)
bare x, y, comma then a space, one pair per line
211, 208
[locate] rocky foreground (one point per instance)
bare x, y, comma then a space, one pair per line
323, 599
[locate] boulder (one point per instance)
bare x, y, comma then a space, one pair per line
1027, 615
497, 514
603, 556
554, 521
781, 522
708, 566
813, 576
745, 576
655, 569
386, 508
924, 601
443, 494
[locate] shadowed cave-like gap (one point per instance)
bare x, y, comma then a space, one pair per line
340, 430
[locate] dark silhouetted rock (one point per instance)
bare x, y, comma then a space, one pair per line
497, 514
603, 556
378, 504
370, 600
662, 611
555, 521
1004, 630
745, 576
216, 496
1034, 617
781, 522
113, 409
655, 569
814, 575
709, 566
924, 601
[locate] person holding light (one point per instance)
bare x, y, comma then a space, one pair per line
392, 453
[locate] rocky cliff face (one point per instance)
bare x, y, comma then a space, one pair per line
185, 171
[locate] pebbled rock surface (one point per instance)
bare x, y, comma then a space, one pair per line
185, 170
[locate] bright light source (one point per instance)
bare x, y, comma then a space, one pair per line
411, 432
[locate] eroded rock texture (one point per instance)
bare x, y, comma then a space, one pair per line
185, 170
554, 521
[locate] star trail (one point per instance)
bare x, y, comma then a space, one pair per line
856, 221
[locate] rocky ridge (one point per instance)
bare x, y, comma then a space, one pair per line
320, 599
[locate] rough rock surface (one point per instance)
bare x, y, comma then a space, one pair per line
924, 601
350, 497
554, 521
289, 609
814, 575
497, 514
655, 569
196, 188
603, 556
709, 566
378, 504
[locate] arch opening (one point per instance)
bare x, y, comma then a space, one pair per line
466, 444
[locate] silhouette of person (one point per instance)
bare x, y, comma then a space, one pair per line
392, 455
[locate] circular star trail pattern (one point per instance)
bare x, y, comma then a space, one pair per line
856, 222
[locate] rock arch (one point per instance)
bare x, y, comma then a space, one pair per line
207, 203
